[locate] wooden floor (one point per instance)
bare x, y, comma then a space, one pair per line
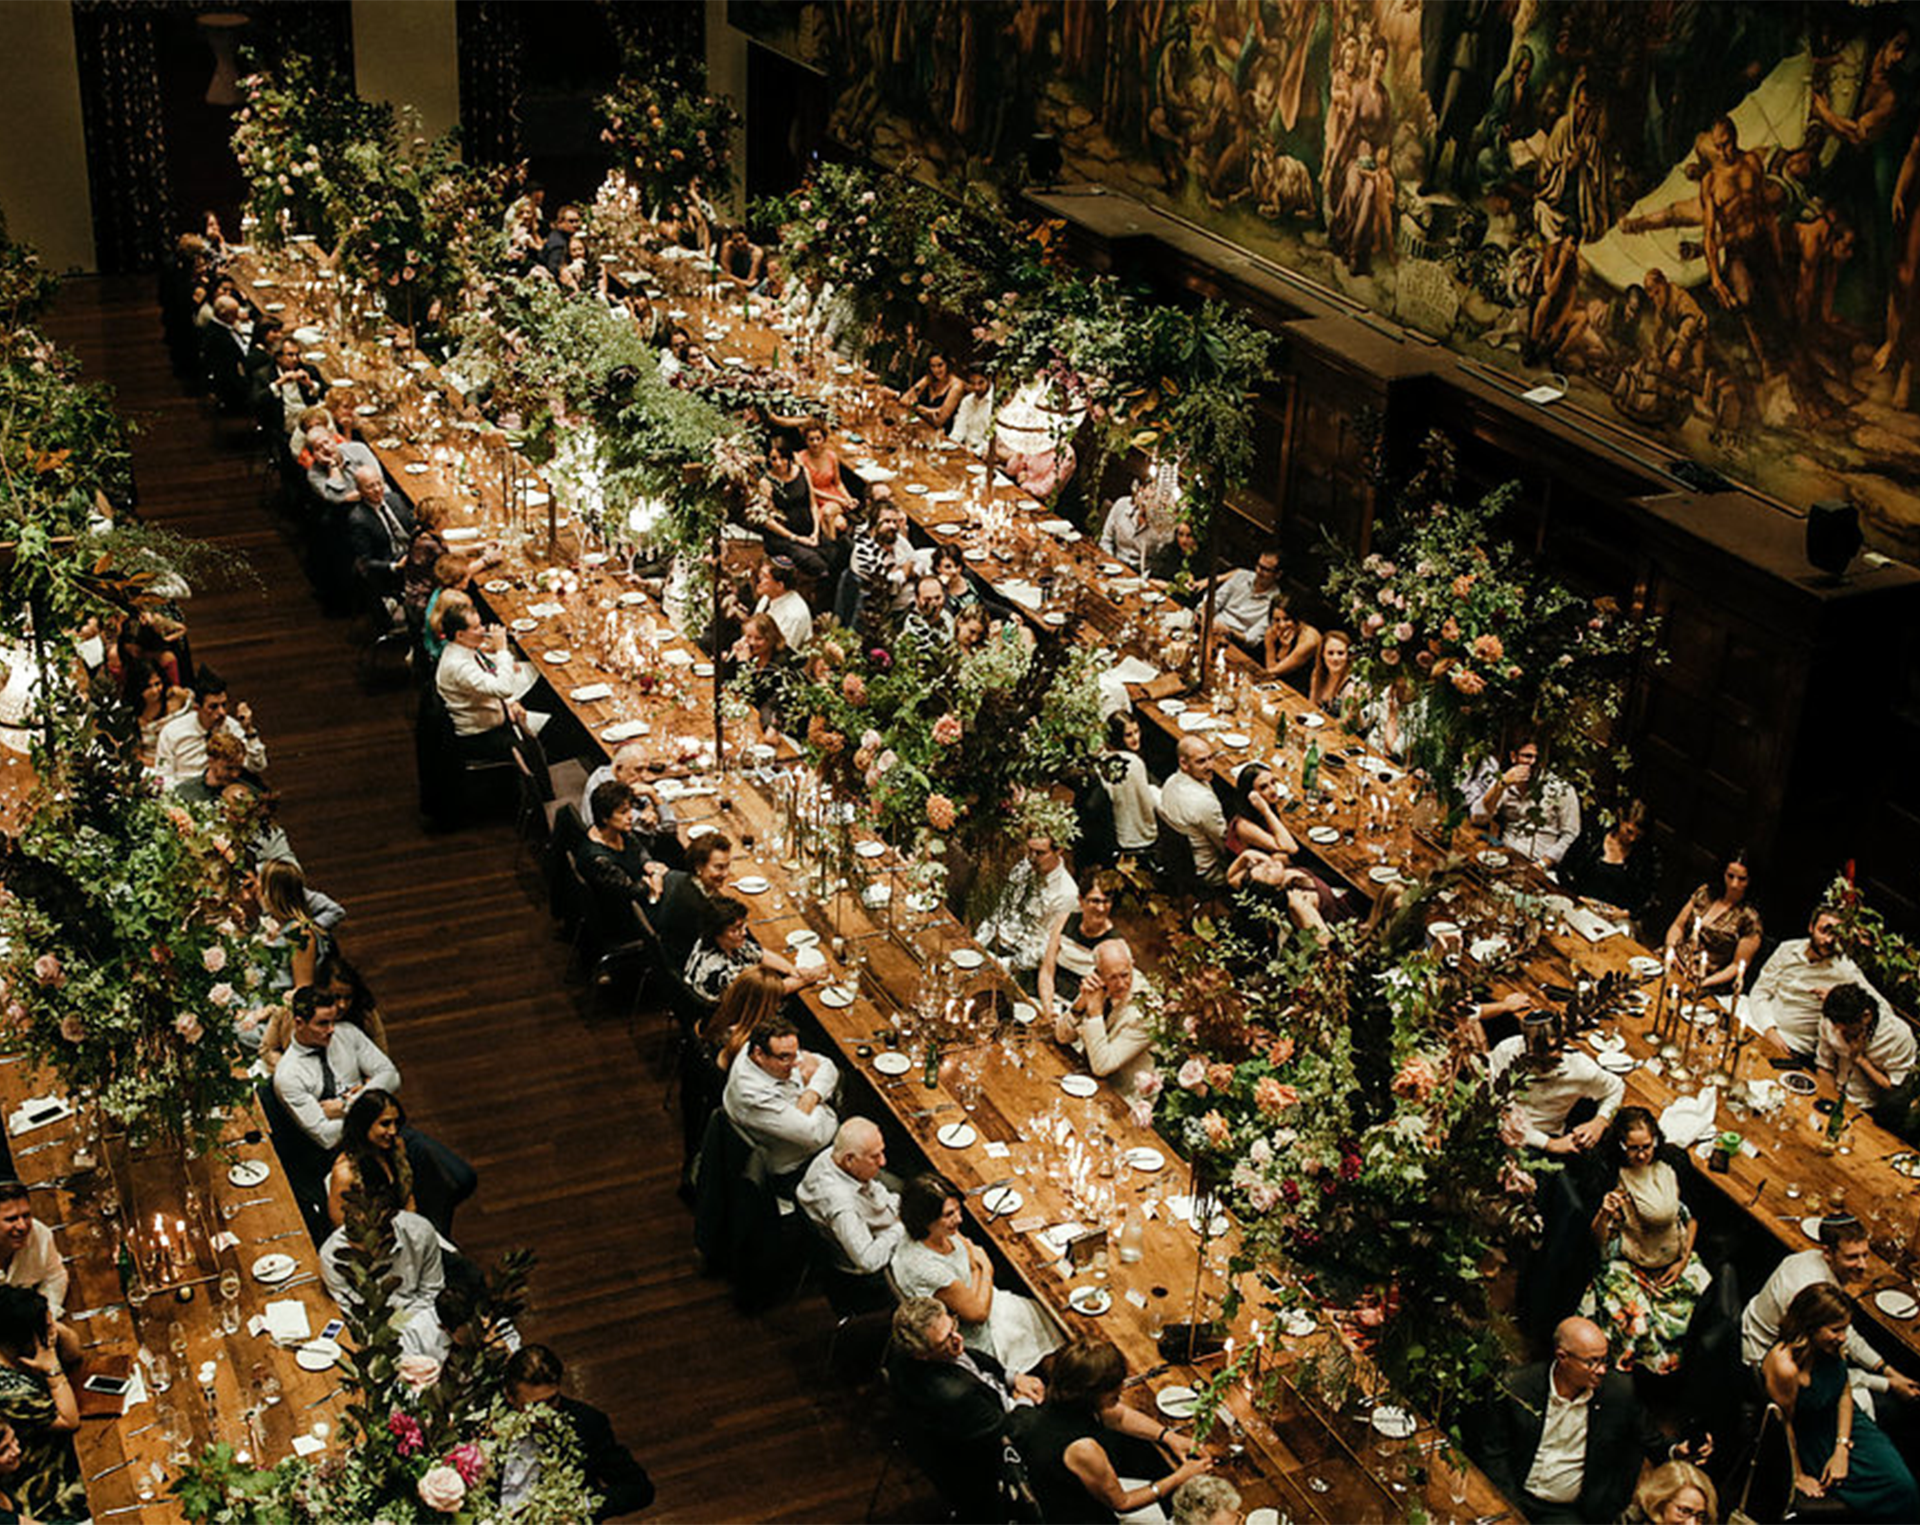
566, 1119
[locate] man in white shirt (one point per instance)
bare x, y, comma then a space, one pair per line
774, 581
1787, 997
629, 767
477, 681
1552, 1080
421, 1274
1038, 896
972, 424
328, 1063
1134, 530
1189, 805
180, 751
29, 1258
1841, 1259
1243, 601
844, 1196
1108, 1019
1526, 808
778, 1097
1868, 1054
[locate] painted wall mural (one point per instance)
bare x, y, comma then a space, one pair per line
1705, 215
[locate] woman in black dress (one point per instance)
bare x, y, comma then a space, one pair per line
793, 529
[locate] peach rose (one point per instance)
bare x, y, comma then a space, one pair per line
441, 1489
1216, 1129
1488, 648
1273, 1098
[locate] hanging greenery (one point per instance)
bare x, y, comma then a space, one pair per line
673, 138
291, 137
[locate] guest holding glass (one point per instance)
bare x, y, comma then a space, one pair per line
1243, 601
38, 1401
1716, 935
1523, 806
938, 1261
1090, 1457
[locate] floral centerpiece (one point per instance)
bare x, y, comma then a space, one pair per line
1323, 1089
1479, 641
289, 138
1891, 961
671, 139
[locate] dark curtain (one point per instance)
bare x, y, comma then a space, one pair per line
492, 63
126, 135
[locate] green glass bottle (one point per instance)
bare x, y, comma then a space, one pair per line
1310, 769
933, 1065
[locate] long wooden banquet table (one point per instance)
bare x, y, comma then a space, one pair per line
599, 637
242, 1388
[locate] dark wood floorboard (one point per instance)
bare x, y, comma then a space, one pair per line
566, 1118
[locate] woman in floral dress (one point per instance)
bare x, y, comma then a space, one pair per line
1650, 1278
37, 1400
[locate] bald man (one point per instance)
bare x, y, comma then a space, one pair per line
844, 1196
379, 528
629, 767
1567, 1437
1189, 805
1107, 1020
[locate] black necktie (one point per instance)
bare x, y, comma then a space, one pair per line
329, 1087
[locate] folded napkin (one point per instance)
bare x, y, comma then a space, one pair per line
305, 1444
673, 656
1193, 720
808, 957
1690, 1120
1020, 591
37, 1112
1133, 670
950, 495
625, 730
547, 610
1056, 526
586, 693
456, 536
136, 1393
1591, 925
287, 1322
874, 472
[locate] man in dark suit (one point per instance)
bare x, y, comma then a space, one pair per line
223, 351
1566, 1439
553, 253
534, 1375
379, 530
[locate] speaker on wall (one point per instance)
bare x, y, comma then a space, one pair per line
1833, 535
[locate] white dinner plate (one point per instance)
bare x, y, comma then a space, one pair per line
1112, 569
803, 937
1393, 1421
1024, 1012
559, 656
1145, 1160
365, 410
753, 884
416, 468
870, 849
625, 730
1799, 1082
1298, 1323
1053, 617
316, 1355
1440, 931
340, 383
1001, 1201
1313, 720
918, 489
1092, 1301
1079, 1085
950, 527
460, 534
274, 1268
1615, 1062
248, 1172
495, 585
967, 958
1177, 1401
703, 669
957, 1135
1235, 739
1384, 873
524, 624
973, 553
1493, 859
315, 356
1605, 1042
1173, 706
892, 1062
1895, 1303
1643, 966
1324, 836
836, 996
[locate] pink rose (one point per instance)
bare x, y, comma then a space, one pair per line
1148, 1084
1403, 632
884, 763
1375, 623
72, 1028
468, 1461
947, 730
221, 994
871, 740
1141, 1111
1193, 1075
1390, 655
442, 1489
1272, 1097
47, 970
187, 1025
214, 959
418, 1372
1262, 1198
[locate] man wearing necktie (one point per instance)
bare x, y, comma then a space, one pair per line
328, 1063
379, 529
477, 680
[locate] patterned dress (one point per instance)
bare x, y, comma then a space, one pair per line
1647, 1324
47, 1486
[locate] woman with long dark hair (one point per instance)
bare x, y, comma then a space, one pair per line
373, 1155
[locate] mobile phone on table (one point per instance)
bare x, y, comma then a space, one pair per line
113, 1387
332, 1331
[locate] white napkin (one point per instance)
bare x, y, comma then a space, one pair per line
547, 610
1591, 925
673, 656
1020, 591
287, 1322
1690, 1120
586, 693
43, 1110
950, 495
136, 1392
1056, 526
461, 533
1193, 720
305, 1444
808, 957
874, 472
1133, 670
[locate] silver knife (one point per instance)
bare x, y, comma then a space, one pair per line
974, 1191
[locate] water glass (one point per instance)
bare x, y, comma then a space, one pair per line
159, 1372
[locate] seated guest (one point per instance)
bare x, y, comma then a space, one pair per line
477, 682
1177, 559
38, 1402
1566, 1439
1650, 1278
1292, 645
773, 582
433, 637
223, 351
791, 529
973, 419
944, 1387
338, 984
725, 950
559, 245
614, 856
749, 1004
653, 817
882, 560
763, 659
1838, 1451
691, 892
297, 936
1674, 1493
1787, 997
951, 568
1039, 895
379, 529
1130, 788
1717, 936
1206, 1500
180, 753
373, 1154
936, 1260
429, 568
928, 623
533, 1378
1087, 1452
416, 1264
1134, 527
29, 1258
971, 627
743, 263
1255, 818
1551, 1080
832, 499
1841, 1261
12, 1460
1333, 688
226, 762
844, 1196
1869, 1054
1107, 1021
329, 1063
151, 701
1189, 806
675, 355
1243, 601
1068, 960
936, 395
778, 1097
316, 419
1539, 817
332, 476
1616, 866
